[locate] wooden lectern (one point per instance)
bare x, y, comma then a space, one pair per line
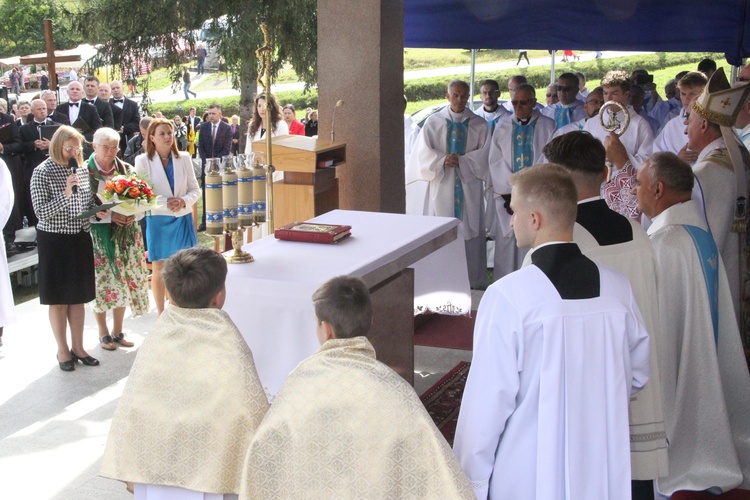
309, 186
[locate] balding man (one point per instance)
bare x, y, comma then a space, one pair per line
705, 382
559, 348
81, 115
450, 155
35, 151
517, 143
131, 115
50, 98
514, 82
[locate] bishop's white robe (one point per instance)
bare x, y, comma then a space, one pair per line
346, 426
508, 257
426, 164
716, 192
7, 308
544, 414
705, 382
672, 137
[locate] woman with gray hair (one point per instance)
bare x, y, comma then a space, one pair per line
119, 256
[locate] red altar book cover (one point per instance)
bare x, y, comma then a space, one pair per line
313, 233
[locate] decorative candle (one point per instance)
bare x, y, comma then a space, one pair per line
229, 193
214, 203
259, 190
245, 190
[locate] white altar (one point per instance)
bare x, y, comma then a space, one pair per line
270, 299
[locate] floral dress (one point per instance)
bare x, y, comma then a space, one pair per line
119, 255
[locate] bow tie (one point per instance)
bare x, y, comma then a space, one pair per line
118, 100
90, 101
39, 124
74, 103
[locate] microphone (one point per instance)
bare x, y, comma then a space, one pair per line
339, 104
73, 166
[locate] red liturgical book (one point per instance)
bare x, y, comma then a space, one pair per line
313, 233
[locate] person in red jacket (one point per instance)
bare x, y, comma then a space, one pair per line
290, 117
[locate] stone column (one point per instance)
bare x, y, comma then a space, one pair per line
361, 61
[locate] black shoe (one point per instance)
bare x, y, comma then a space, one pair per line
67, 366
88, 360
201, 228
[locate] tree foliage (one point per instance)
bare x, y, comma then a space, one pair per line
166, 32
22, 27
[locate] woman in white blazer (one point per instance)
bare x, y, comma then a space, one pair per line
256, 131
170, 227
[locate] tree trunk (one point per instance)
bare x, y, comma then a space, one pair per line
248, 87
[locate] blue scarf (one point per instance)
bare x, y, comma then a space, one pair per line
709, 258
523, 145
458, 135
563, 116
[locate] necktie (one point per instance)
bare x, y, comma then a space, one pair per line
74, 104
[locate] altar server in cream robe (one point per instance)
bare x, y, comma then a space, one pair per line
626, 152
451, 156
517, 143
193, 399
672, 138
559, 348
347, 426
722, 170
613, 240
704, 375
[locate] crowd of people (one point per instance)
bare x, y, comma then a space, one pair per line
607, 355
570, 396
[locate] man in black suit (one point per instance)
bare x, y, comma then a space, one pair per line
76, 109
131, 114
193, 123
10, 149
50, 97
91, 89
215, 141
35, 151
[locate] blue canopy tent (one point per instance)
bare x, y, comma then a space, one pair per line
645, 25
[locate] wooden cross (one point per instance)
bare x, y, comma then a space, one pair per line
50, 59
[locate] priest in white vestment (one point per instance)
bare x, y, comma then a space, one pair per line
594, 101
626, 152
722, 170
7, 308
568, 109
613, 240
672, 137
193, 398
704, 375
559, 348
450, 154
517, 143
346, 425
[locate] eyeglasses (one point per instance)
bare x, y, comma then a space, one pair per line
107, 148
563, 88
73, 151
521, 103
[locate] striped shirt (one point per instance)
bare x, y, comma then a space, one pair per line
56, 213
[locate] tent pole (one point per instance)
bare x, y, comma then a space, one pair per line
471, 76
552, 69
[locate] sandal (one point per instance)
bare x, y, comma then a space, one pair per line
107, 343
120, 339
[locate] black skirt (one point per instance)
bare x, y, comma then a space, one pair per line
66, 268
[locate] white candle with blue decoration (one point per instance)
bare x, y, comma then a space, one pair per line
214, 199
229, 193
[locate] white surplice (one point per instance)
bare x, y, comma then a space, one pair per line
672, 137
706, 385
636, 260
508, 257
545, 411
7, 309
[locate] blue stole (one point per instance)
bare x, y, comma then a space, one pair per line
709, 259
458, 135
744, 137
523, 145
562, 116
492, 122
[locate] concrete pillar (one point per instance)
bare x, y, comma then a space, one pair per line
361, 61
